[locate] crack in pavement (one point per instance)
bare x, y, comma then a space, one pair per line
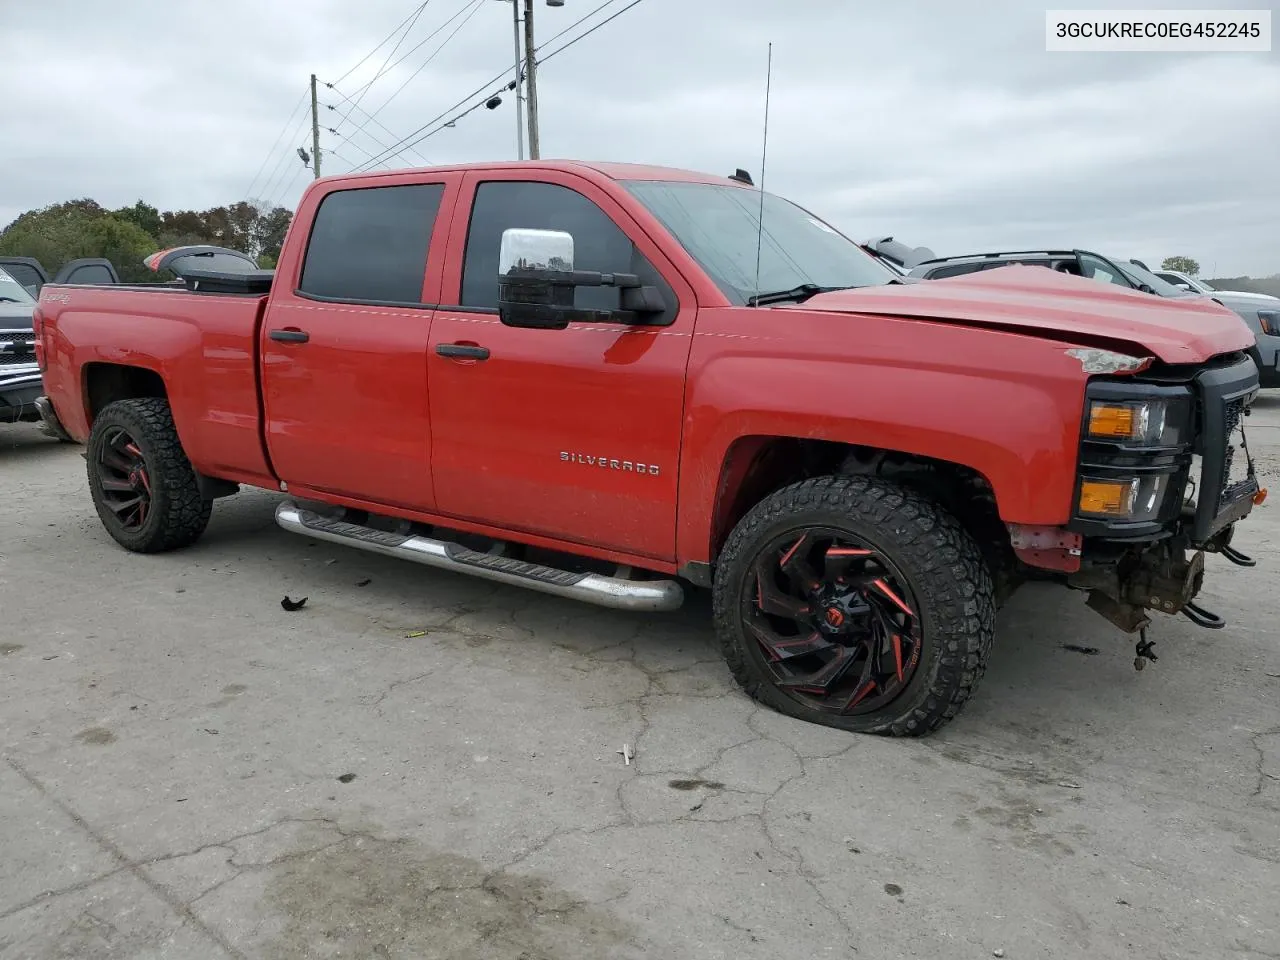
179, 908
1255, 741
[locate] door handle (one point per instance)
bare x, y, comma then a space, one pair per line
290, 335
463, 351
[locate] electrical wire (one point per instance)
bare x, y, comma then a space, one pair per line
583, 36
404, 144
477, 4
361, 128
281, 169
430, 127
423, 42
411, 16
383, 69
252, 183
576, 22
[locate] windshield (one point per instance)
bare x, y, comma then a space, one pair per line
1161, 287
717, 225
12, 290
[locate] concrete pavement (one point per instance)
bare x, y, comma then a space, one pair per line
426, 765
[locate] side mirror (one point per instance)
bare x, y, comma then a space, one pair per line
536, 284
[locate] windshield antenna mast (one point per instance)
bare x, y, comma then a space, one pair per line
764, 156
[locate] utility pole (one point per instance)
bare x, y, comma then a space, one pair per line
530, 69
315, 130
515, 28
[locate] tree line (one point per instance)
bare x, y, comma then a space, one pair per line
84, 228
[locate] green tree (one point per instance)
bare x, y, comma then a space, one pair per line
143, 215
1181, 265
268, 232
78, 228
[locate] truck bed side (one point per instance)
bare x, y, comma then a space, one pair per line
107, 343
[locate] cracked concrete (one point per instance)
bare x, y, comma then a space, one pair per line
426, 765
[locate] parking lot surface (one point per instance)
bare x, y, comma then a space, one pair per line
420, 765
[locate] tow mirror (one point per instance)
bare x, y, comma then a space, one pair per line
536, 284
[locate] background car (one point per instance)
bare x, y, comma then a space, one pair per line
1262, 319
1194, 284
20, 382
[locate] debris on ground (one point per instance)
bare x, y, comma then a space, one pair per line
413, 635
1076, 648
364, 583
626, 754
292, 605
346, 778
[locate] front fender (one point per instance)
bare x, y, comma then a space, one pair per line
1004, 405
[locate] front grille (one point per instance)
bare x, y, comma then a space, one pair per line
16, 359
1228, 481
1238, 478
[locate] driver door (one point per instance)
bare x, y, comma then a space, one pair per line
571, 434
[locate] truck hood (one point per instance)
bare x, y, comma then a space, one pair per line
1037, 301
16, 316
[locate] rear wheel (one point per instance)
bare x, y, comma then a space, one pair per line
851, 602
141, 481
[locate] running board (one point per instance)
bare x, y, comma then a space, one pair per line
615, 592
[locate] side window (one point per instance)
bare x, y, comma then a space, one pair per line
1102, 272
371, 244
598, 243
956, 270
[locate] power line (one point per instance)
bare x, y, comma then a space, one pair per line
279, 171
383, 69
362, 129
578, 21
477, 4
424, 41
583, 36
383, 42
280, 136
405, 144
430, 127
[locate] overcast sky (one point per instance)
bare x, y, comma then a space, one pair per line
944, 124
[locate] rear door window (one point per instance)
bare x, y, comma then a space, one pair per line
369, 245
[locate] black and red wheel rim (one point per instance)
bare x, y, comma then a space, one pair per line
123, 479
835, 621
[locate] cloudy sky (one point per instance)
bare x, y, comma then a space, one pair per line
944, 124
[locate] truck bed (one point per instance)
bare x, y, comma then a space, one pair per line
204, 345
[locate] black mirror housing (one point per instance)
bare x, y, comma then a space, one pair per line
543, 299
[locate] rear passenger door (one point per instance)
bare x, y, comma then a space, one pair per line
344, 343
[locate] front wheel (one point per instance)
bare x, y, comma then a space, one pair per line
851, 602
141, 481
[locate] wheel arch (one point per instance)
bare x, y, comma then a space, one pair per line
104, 383
755, 466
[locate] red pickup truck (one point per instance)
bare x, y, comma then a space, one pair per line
610, 381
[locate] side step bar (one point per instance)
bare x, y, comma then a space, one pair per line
615, 592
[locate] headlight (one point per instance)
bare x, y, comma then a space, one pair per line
1135, 499
1141, 421
1269, 321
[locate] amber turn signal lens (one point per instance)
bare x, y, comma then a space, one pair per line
1111, 420
1260, 496
1107, 498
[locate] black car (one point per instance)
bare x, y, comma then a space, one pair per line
20, 382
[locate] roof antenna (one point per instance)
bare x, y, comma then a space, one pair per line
764, 155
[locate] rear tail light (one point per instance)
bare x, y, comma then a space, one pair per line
37, 325
1269, 320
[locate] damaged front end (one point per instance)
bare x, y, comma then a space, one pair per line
1165, 473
